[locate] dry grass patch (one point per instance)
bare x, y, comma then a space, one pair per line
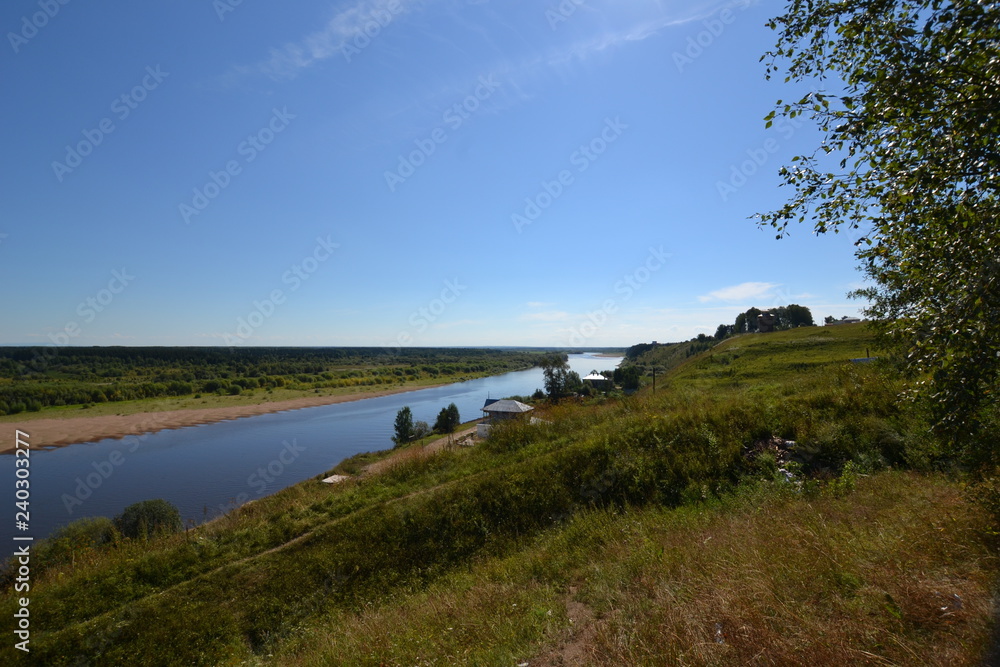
894, 573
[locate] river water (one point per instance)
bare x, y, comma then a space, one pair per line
206, 470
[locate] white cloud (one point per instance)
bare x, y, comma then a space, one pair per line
357, 23
741, 292
339, 32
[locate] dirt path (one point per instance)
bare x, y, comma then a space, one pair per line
415, 453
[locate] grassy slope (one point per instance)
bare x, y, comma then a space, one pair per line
786, 356
598, 539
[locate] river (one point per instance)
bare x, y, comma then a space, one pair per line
207, 470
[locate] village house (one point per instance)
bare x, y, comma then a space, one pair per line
500, 410
598, 381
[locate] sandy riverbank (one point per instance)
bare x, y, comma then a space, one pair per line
70, 430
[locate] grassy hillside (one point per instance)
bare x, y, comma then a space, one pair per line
676, 528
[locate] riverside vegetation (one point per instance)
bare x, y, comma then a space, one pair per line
771, 502
51, 381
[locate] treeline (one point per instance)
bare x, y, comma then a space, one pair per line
785, 317
34, 378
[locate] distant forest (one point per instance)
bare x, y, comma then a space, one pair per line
35, 377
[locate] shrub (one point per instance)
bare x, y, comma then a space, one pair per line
148, 518
421, 429
74, 539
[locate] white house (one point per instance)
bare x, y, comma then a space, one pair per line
500, 410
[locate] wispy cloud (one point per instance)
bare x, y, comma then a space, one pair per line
741, 292
610, 38
607, 27
341, 31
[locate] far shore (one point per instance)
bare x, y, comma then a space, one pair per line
55, 432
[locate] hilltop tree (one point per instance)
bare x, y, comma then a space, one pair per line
403, 426
911, 158
794, 315
746, 322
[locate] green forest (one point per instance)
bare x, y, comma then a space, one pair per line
32, 379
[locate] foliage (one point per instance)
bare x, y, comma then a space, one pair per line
786, 317
911, 158
403, 426
746, 322
560, 381
421, 429
638, 350
36, 378
72, 541
148, 518
627, 376
448, 419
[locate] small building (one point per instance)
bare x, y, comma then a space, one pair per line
598, 381
844, 320
766, 322
500, 410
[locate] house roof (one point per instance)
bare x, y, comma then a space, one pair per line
507, 405
595, 376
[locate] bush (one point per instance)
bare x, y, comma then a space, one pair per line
74, 539
148, 518
421, 430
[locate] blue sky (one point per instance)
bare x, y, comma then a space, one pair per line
393, 172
